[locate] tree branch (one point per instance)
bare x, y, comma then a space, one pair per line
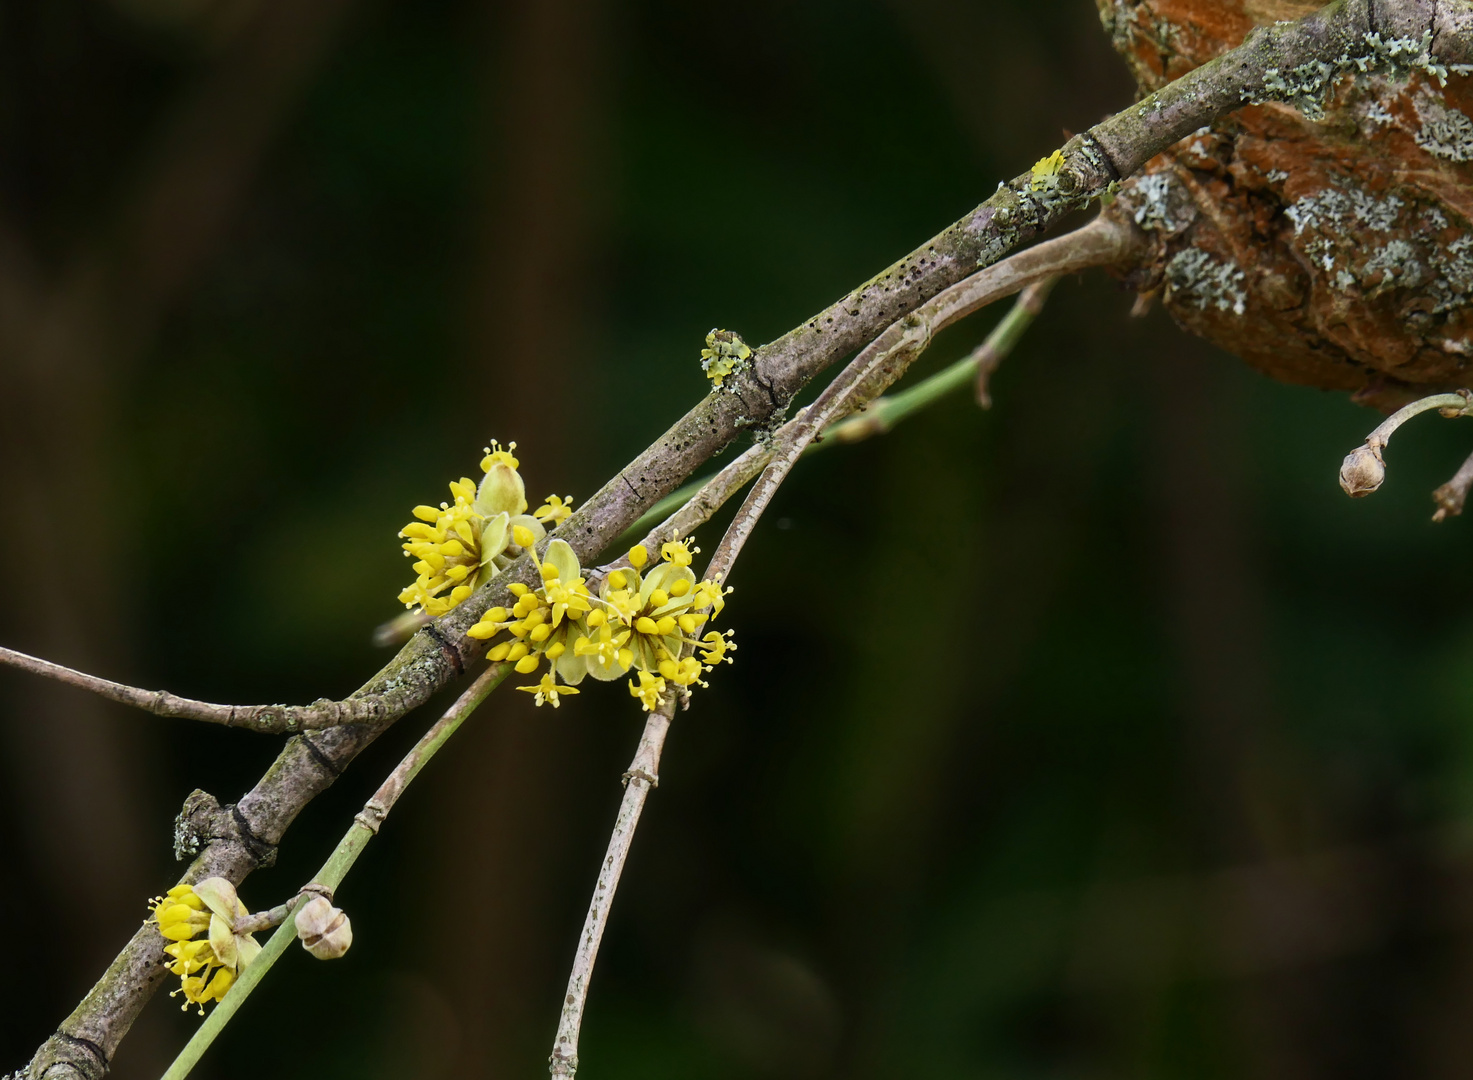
1102, 241
876, 367
643, 774
1451, 496
271, 719
697, 501
365, 827
1015, 213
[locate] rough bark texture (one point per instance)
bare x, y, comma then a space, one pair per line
1325, 238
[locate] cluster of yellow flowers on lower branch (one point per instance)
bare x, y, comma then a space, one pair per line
461, 543
647, 619
208, 966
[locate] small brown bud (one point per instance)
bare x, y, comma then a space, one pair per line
324, 930
1362, 471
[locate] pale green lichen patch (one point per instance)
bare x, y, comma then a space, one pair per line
1195, 279
724, 356
1452, 287
1307, 86
1395, 265
1445, 132
1159, 203
1328, 222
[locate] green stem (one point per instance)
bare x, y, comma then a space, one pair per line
884, 413
338, 864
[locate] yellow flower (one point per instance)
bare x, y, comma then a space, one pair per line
682, 672
649, 691
714, 647
495, 455
644, 618
605, 652
678, 552
725, 355
544, 623
187, 910
710, 594
554, 511
1046, 172
548, 690
459, 544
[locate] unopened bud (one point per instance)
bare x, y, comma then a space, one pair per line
324, 930
501, 491
1362, 471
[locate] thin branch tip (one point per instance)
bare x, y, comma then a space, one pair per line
1364, 469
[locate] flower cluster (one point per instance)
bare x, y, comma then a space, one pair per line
207, 966
645, 618
462, 543
725, 355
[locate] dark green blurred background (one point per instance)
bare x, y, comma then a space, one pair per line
1117, 742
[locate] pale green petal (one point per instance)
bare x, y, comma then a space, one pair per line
604, 673
219, 896
562, 557
655, 579
494, 536
222, 940
247, 949
501, 492
678, 604
644, 653
570, 668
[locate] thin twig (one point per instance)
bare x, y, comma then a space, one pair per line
364, 828
1451, 496
268, 719
1102, 241
700, 499
882, 414
1000, 342
1364, 468
643, 774
878, 365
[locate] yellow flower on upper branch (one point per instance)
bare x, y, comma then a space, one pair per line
715, 646
460, 544
725, 355
554, 511
207, 967
682, 672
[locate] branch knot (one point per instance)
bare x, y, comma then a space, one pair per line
203, 820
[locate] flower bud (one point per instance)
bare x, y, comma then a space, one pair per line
324, 930
501, 491
1362, 471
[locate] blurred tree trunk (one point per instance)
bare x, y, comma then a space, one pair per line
70, 339
529, 320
